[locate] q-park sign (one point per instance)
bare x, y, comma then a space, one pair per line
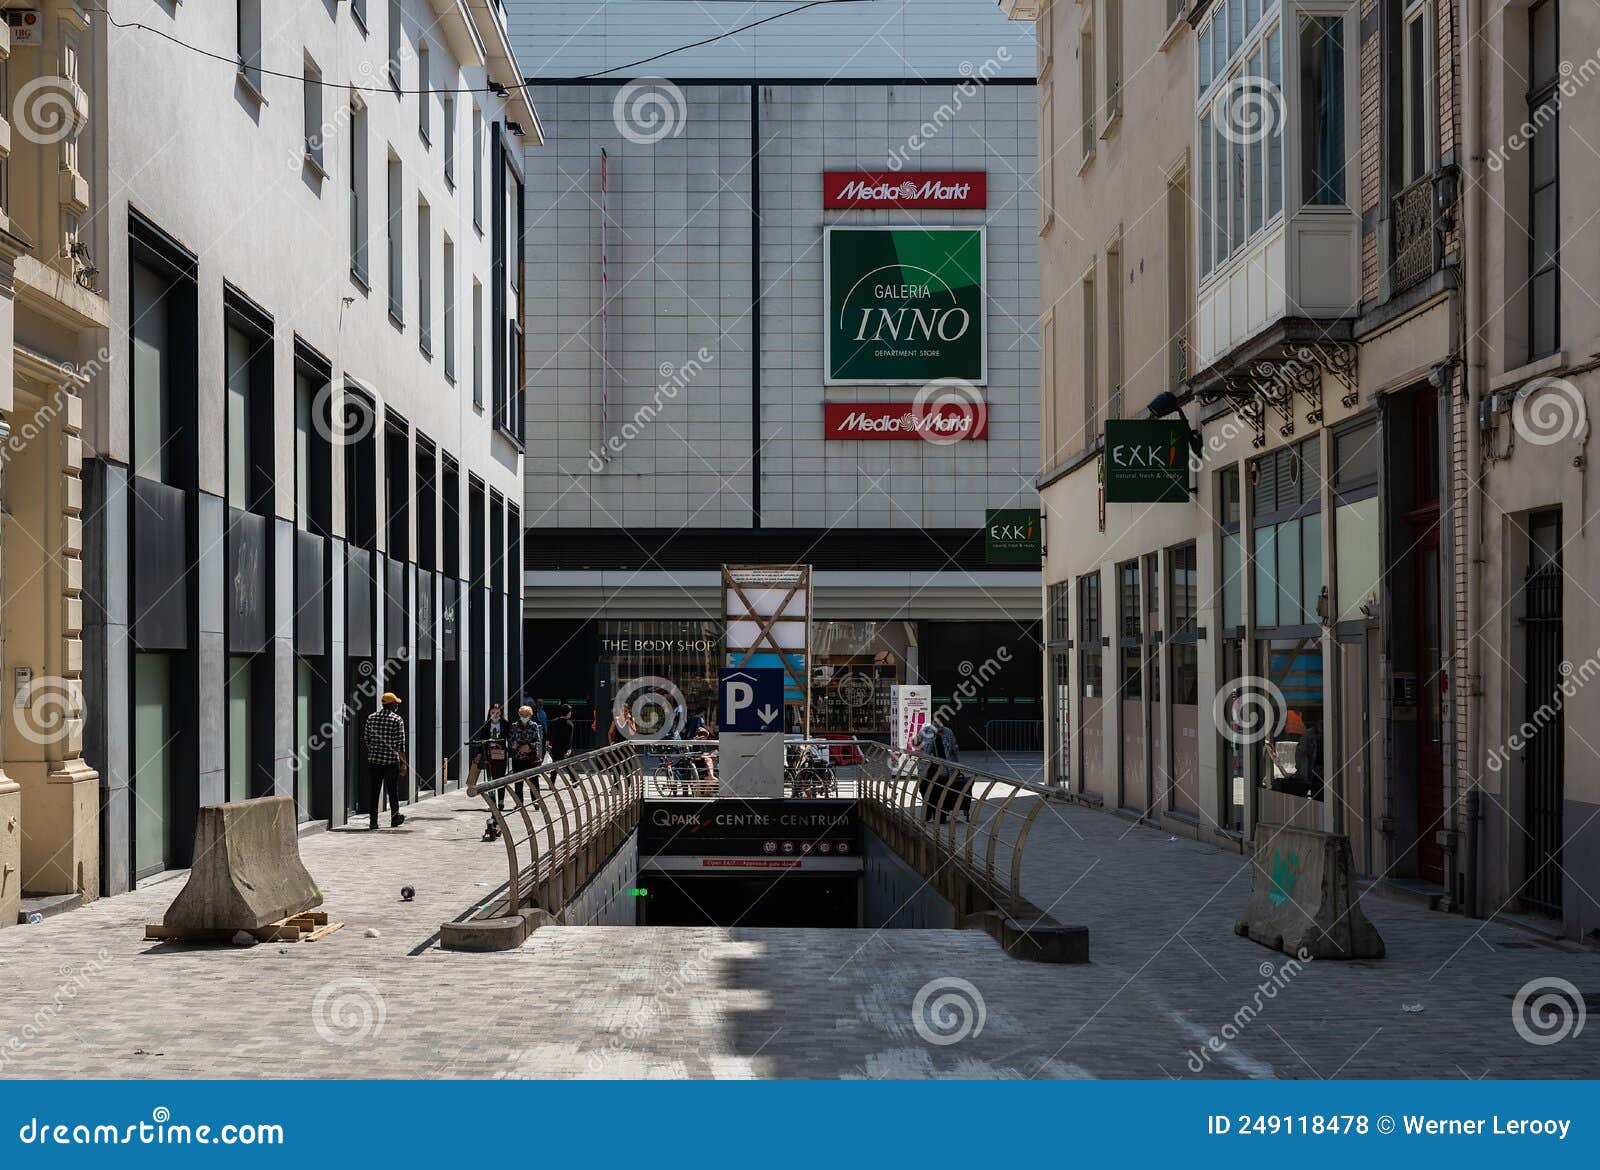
1146, 461
904, 305
750, 699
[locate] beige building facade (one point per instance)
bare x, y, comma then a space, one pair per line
1250, 217
57, 310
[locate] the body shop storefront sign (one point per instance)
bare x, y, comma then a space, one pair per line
904, 305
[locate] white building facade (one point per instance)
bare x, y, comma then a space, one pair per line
303, 461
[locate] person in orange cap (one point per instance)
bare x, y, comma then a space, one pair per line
386, 759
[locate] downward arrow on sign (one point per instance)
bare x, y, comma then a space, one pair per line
767, 714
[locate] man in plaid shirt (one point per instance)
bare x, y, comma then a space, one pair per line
386, 759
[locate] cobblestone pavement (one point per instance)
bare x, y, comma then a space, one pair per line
87, 996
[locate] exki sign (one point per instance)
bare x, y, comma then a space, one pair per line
904, 190
1011, 537
1146, 461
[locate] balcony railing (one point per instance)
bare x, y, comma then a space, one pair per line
1415, 240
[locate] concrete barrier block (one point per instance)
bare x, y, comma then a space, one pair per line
506, 933
1302, 897
246, 871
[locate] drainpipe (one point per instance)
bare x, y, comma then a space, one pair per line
1474, 294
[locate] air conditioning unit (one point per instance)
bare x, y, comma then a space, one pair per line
1021, 9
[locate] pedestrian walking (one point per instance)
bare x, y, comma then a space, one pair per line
935, 783
543, 718
559, 741
526, 741
491, 753
385, 741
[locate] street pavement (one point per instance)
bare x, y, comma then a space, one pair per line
86, 996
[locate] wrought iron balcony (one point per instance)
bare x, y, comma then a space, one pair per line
1416, 245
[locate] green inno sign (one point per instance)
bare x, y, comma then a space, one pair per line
1146, 461
904, 305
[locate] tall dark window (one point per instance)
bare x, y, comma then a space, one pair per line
1544, 165
1090, 652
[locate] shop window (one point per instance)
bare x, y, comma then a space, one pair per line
1183, 623
1286, 538
1291, 750
1356, 536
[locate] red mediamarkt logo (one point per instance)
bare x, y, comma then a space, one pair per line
905, 189
946, 421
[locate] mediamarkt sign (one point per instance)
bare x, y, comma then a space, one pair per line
911, 190
949, 421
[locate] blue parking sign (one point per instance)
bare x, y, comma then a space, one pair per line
750, 698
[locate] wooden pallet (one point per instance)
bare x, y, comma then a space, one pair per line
311, 926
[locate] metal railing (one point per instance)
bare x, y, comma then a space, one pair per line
1013, 735
962, 828
1415, 240
573, 813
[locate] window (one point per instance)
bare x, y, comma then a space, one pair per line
424, 93
396, 246
1113, 33
477, 167
424, 277
449, 309
240, 351
1114, 281
151, 376
1175, 11
358, 9
1183, 629
1239, 127
1286, 535
1232, 550
477, 343
1416, 90
358, 191
449, 144
1544, 157
1322, 163
1130, 636
315, 131
1086, 96
1047, 159
1050, 407
248, 24
1356, 536
396, 43
1090, 652
1058, 631
1091, 363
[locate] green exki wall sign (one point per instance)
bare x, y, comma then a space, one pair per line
1011, 537
1146, 461
904, 305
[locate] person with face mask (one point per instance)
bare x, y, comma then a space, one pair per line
526, 741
